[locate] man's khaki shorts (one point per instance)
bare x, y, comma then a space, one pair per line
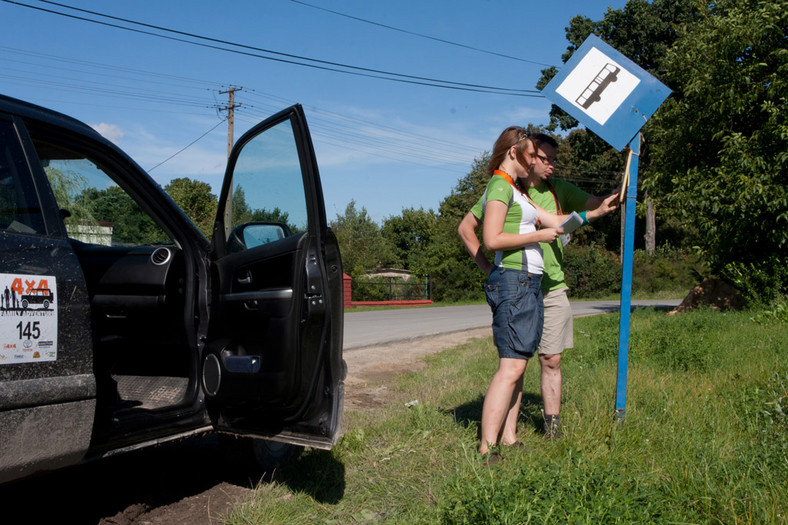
558, 332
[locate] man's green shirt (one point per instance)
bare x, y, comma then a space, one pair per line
572, 199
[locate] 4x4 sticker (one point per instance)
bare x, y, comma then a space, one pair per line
28, 318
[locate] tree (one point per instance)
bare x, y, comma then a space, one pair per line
454, 275
360, 241
722, 144
241, 211
196, 200
411, 235
131, 225
644, 32
67, 187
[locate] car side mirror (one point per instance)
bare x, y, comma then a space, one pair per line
253, 234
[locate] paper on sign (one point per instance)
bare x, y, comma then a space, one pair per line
570, 224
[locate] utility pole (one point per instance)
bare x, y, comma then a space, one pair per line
230, 108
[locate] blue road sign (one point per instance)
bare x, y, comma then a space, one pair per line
606, 92
613, 97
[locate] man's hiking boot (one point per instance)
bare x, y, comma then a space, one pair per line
552, 427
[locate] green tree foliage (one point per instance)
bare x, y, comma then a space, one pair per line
242, 213
411, 235
196, 200
130, 224
67, 187
722, 142
454, 275
361, 243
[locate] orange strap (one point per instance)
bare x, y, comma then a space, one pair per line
508, 178
555, 197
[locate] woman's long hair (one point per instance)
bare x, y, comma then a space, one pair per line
508, 138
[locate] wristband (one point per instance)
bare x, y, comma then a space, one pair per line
583, 216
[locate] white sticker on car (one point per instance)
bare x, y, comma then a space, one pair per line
28, 318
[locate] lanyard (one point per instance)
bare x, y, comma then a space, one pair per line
508, 179
555, 197
505, 176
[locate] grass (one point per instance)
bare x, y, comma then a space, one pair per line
704, 438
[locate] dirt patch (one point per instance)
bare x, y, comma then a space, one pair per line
204, 508
712, 292
194, 481
371, 369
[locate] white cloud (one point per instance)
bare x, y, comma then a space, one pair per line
110, 132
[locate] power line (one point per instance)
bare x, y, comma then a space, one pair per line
292, 59
186, 147
351, 133
418, 34
113, 67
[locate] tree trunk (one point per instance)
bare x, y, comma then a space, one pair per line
651, 227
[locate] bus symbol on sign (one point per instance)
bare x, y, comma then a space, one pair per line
593, 92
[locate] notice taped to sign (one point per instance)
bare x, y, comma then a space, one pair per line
28, 318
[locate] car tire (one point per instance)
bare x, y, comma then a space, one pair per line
260, 455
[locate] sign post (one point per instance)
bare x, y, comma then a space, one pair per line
613, 97
629, 200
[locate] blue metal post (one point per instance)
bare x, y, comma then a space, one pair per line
626, 280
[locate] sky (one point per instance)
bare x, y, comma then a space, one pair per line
400, 97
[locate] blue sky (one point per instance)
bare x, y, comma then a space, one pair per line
386, 144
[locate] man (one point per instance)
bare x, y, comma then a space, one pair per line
560, 197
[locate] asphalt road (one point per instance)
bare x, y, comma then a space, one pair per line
372, 328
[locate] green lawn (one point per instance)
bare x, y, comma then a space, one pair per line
704, 439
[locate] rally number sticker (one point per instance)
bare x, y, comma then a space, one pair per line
28, 318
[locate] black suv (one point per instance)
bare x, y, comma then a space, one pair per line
122, 326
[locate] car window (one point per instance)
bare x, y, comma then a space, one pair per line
94, 208
20, 211
268, 199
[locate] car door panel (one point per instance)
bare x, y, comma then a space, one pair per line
273, 364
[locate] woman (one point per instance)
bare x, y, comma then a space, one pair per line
513, 290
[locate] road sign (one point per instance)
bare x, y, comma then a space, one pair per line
613, 97
606, 92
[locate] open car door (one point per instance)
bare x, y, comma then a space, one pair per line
272, 366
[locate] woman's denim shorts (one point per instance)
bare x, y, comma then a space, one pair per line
518, 311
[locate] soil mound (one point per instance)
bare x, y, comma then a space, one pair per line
712, 292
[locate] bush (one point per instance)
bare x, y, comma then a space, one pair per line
761, 283
667, 269
591, 271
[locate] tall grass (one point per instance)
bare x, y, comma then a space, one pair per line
704, 438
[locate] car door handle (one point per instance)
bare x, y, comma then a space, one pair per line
244, 277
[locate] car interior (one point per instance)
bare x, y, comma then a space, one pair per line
137, 283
